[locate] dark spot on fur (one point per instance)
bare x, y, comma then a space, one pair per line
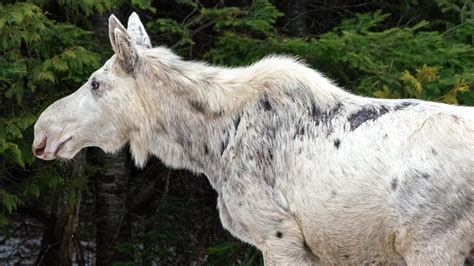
337, 142
265, 104
224, 141
206, 149
269, 179
217, 114
300, 130
279, 234
455, 117
315, 113
385, 136
383, 109
333, 194
223, 146
434, 151
403, 105
452, 203
346, 257
470, 257
322, 117
394, 184
336, 108
197, 106
420, 174
236, 123
367, 113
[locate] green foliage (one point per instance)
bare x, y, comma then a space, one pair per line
144, 5
40, 60
80, 9
368, 61
377, 59
174, 29
228, 253
258, 18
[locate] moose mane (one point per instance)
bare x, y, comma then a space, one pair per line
216, 90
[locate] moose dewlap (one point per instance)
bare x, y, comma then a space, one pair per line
305, 171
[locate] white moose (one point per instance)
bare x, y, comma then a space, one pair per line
305, 171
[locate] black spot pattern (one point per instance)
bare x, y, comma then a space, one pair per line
265, 104
367, 113
323, 117
404, 105
224, 141
197, 106
337, 143
394, 184
237, 123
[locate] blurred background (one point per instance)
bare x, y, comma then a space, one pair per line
99, 209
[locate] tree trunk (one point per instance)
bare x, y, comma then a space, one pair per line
296, 23
57, 245
112, 223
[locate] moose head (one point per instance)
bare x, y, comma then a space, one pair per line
107, 109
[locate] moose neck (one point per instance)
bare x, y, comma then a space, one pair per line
186, 125
189, 138
199, 142
195, 109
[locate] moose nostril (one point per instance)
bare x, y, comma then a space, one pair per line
39, 149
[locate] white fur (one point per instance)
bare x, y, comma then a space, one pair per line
305, 171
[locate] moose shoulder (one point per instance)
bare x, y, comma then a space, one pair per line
305, 171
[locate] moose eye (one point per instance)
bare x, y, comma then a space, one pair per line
95, 85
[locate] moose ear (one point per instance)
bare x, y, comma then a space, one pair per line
122, 44
125, 49
114, 23
137, 32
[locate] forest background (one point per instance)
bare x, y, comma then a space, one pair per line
100, 209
